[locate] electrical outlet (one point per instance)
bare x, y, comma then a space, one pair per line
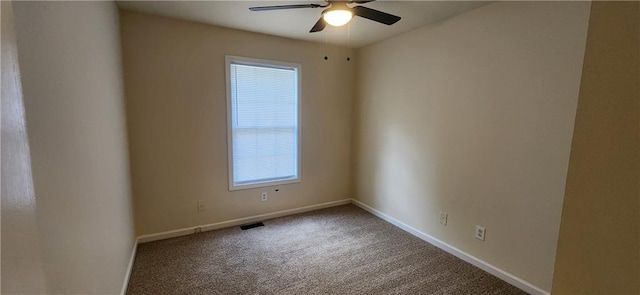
443, 218
480, 232
197, 230
263, 196
201, 206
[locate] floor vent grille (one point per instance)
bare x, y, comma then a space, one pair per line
250, 226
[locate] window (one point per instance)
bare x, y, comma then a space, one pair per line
263, 118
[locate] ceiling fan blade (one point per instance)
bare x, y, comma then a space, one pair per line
278, 7
375, 15
319, 26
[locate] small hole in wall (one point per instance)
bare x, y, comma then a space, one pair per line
326, 57
277, 190
348, 58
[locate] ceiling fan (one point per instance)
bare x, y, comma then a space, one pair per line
338, 13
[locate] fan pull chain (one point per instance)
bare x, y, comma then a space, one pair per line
326, 41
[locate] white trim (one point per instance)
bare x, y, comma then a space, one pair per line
239, 221
230, 59
505, 276
127, 276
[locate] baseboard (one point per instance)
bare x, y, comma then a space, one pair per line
129, 268
235, 222
505, 276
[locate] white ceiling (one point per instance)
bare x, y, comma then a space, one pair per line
296, 23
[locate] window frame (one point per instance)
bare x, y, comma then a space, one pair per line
231, 59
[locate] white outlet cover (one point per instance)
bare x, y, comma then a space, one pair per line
443, 218
480, 232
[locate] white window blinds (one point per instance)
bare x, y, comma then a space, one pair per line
263, 123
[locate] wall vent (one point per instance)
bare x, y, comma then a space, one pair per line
252, 225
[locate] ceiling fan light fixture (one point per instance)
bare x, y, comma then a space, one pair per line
337, 17
338, 13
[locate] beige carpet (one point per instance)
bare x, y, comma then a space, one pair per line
340, 250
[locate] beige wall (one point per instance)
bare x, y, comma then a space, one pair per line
474, 116
70, 63
22, 265
176, 107
599, 243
